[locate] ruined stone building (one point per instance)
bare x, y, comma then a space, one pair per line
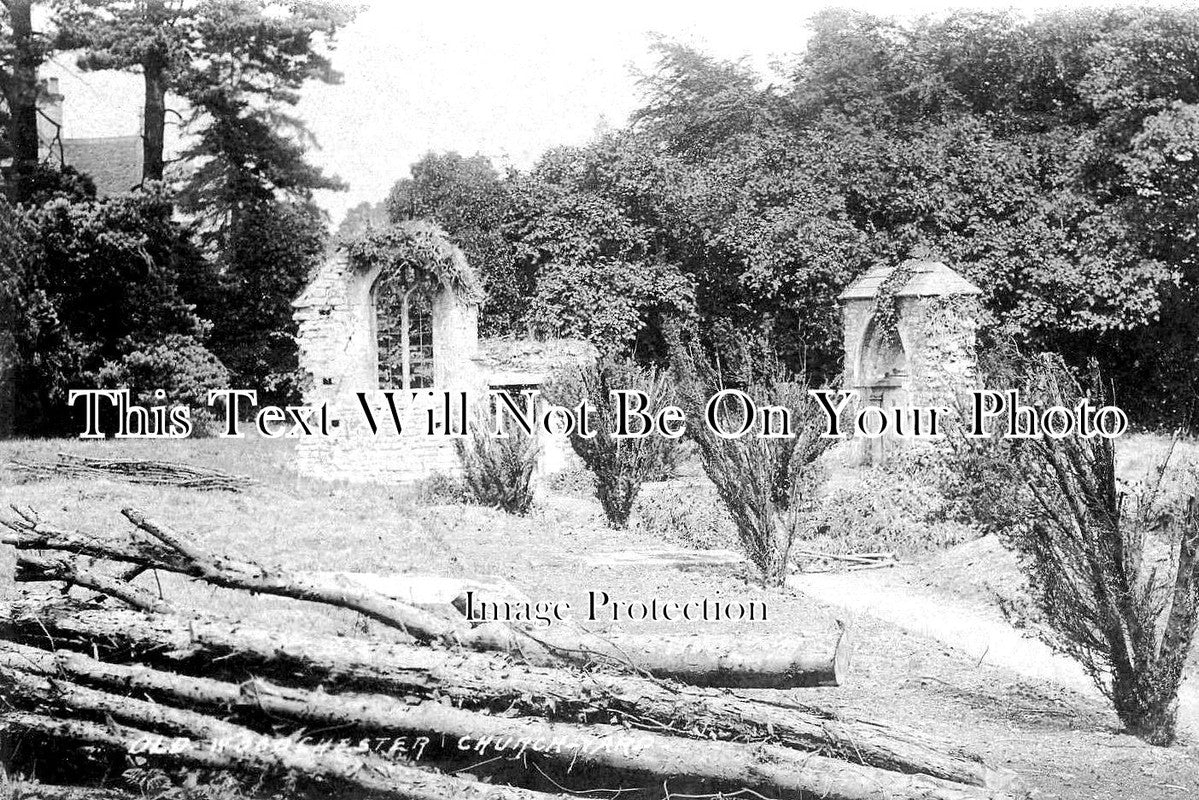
926, 358
352, 324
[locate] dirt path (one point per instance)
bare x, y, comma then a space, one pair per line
979, 631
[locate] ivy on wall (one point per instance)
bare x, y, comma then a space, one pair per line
886, 302
416, 254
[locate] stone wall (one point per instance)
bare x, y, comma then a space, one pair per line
940, 332
933, 360
338, 350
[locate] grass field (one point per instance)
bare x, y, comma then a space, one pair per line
1062, 739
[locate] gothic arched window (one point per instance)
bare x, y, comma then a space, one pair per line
404, 334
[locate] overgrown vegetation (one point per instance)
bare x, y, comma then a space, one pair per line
897, 507
1112, 566
690, 516
766, 483
1049, 160
619, 465
105, 278
499, 469
442, 489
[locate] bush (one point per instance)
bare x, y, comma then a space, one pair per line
620, 466
572, 482
442, 489
1088, 543
689, 516
896, 507
182, 368
87, 278
765, 483
499, 470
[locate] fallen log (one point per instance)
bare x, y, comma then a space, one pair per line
487, 681
33, 569
722, 661
782, 665
624, 755
255, 754
30, 790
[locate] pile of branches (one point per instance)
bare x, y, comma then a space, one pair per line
448, 710
135, 470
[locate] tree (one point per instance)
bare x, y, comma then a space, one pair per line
251, 190
189, 47
264, 263
155, 37
1024, 153
589, 224
20, 56
473, 203
248, 148
15, 300
101, 278
358, 220
695, 102
1112, 565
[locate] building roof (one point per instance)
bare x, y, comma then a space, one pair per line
114, 163
929, 279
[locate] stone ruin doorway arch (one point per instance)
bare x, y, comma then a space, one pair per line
928, 357
885, 378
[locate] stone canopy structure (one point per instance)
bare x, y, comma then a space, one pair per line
926, 357
412, 328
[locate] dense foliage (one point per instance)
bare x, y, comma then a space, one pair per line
97, 279
618, 466
1051, 161
117, 290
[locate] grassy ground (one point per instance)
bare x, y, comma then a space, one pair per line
1063, 741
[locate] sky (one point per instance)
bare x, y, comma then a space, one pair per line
504, 79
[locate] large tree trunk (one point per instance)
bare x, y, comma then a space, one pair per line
22, 100
781, 665
485, 682
1146, 703
154, 114
620, 755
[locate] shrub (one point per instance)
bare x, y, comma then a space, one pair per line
443, 489
689, 516
765, 483
1087, 543
620, 466
896, 507
179, 366
575, 482
499, 469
